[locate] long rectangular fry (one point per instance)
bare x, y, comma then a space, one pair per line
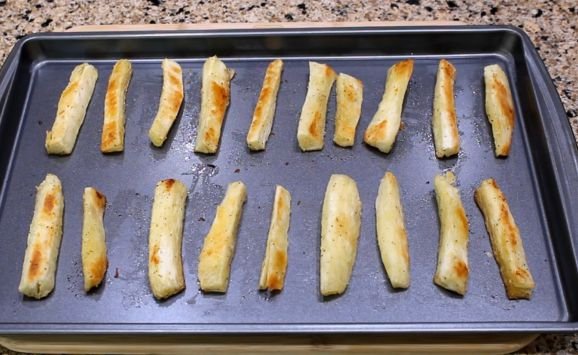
391, 232
215, 97
340, 225
43, 245
311, 130
172, 95
219, 246
384, 125
445, 122
71, 110
505, 239
452, 269
265, 110
275, 262
499, 108
94, 259
349, 99
165, 238
112, 139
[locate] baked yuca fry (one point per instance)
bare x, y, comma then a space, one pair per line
71, 110
165, 238
452, 269
499, 108
275, 262
219, 246
215, 97
505, 239
391, 232
384, 125
112, 139
170, 102
94, 259
265, 110
311, 130
349, 98
39, 267
445, 122
340, 224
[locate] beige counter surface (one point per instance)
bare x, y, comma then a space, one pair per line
550, 24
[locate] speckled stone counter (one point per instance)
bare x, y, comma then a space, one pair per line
550, 24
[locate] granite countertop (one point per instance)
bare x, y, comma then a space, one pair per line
550, 24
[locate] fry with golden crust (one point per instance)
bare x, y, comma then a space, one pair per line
112, 139
165, 239
349, 99
499, 108
94, 259
340, 226
391, 232
505, 239
172, 95
219, 245
452, 269
275, 262
384, 126
265, 110
445, 121
39, 267
311, 130
215, 97
72, 107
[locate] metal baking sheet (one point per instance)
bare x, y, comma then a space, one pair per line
539, 178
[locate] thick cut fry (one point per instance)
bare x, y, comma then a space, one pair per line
452, 270
215, 97
311, 130
391, 233
445, 122
275, 262
219, 245
505, 239
170, 102
265, 110
39, 267
112, 139
349, 98
384, 125
71, 110
94, 259
340, 225
499, 108
165, 239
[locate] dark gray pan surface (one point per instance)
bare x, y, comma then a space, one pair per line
531, 178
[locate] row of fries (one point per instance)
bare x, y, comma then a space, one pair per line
215, 96
340, 230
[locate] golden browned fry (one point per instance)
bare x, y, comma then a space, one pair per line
112, 139
452, 270
384, 126
445, 122
71, 110
349, 99
499, 108
391, 232
311, 130
265, 110
170, 102
219, 246
39, 267
215, 97
165, 239
94, 259
275, 262
505, 239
